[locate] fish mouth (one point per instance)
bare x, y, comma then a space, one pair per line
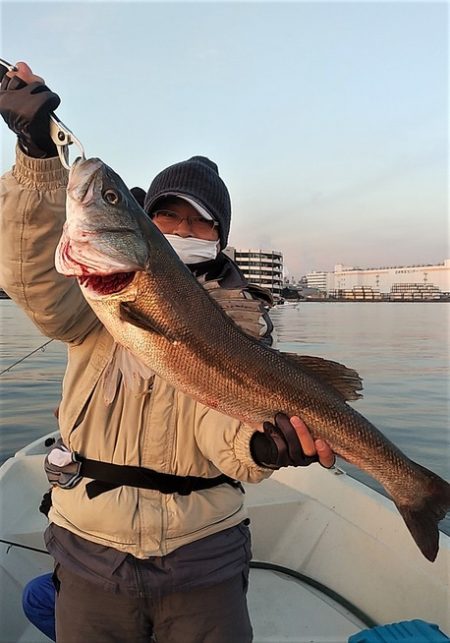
97, 276
102, 285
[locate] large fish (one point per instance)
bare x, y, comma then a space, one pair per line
155, 308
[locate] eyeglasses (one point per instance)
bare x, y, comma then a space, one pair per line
169, 221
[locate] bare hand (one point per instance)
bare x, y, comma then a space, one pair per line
313, 447
25, 73
288, 443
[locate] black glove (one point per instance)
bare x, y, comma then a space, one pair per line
46, 503
279, 445
26, 110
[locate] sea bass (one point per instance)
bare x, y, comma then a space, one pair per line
152, 305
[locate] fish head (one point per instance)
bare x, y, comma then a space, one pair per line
107, 235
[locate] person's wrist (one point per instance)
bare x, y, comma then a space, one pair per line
30, 149
263, 451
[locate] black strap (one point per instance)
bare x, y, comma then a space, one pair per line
107, 476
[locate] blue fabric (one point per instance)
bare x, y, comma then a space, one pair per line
38, 602
415, 631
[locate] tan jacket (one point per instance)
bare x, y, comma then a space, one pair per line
156, 426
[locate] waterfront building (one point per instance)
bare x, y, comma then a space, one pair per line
322, 281
262, 267
396, 279
414, 282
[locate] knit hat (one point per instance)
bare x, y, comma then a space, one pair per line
139, 195
198, 179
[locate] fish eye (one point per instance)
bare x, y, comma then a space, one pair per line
111, 196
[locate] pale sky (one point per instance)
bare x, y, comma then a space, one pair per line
328, 120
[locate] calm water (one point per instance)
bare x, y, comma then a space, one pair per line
400, 350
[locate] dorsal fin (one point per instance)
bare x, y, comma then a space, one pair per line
345, 381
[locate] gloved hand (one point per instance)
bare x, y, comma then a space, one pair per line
280, 445
25, 105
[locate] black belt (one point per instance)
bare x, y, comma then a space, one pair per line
107, 476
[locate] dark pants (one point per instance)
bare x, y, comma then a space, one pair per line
85, 612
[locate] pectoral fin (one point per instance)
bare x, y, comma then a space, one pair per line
136, 318
345, 381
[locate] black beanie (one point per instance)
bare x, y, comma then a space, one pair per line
139, 195
197, 178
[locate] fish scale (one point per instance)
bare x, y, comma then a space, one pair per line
166, 319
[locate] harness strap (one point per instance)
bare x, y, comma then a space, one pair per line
107, 476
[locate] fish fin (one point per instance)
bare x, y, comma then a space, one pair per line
345, 381
422, 519
134, 317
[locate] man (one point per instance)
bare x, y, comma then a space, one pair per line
155, 541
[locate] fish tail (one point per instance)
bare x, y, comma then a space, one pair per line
423, 517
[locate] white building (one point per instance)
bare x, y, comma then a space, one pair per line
390, 279
323, 281
428, 281
262, 267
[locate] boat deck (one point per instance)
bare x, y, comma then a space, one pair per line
284, 609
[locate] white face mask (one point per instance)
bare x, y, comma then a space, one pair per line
192, 250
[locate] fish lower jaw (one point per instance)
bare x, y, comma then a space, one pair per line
65, 262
